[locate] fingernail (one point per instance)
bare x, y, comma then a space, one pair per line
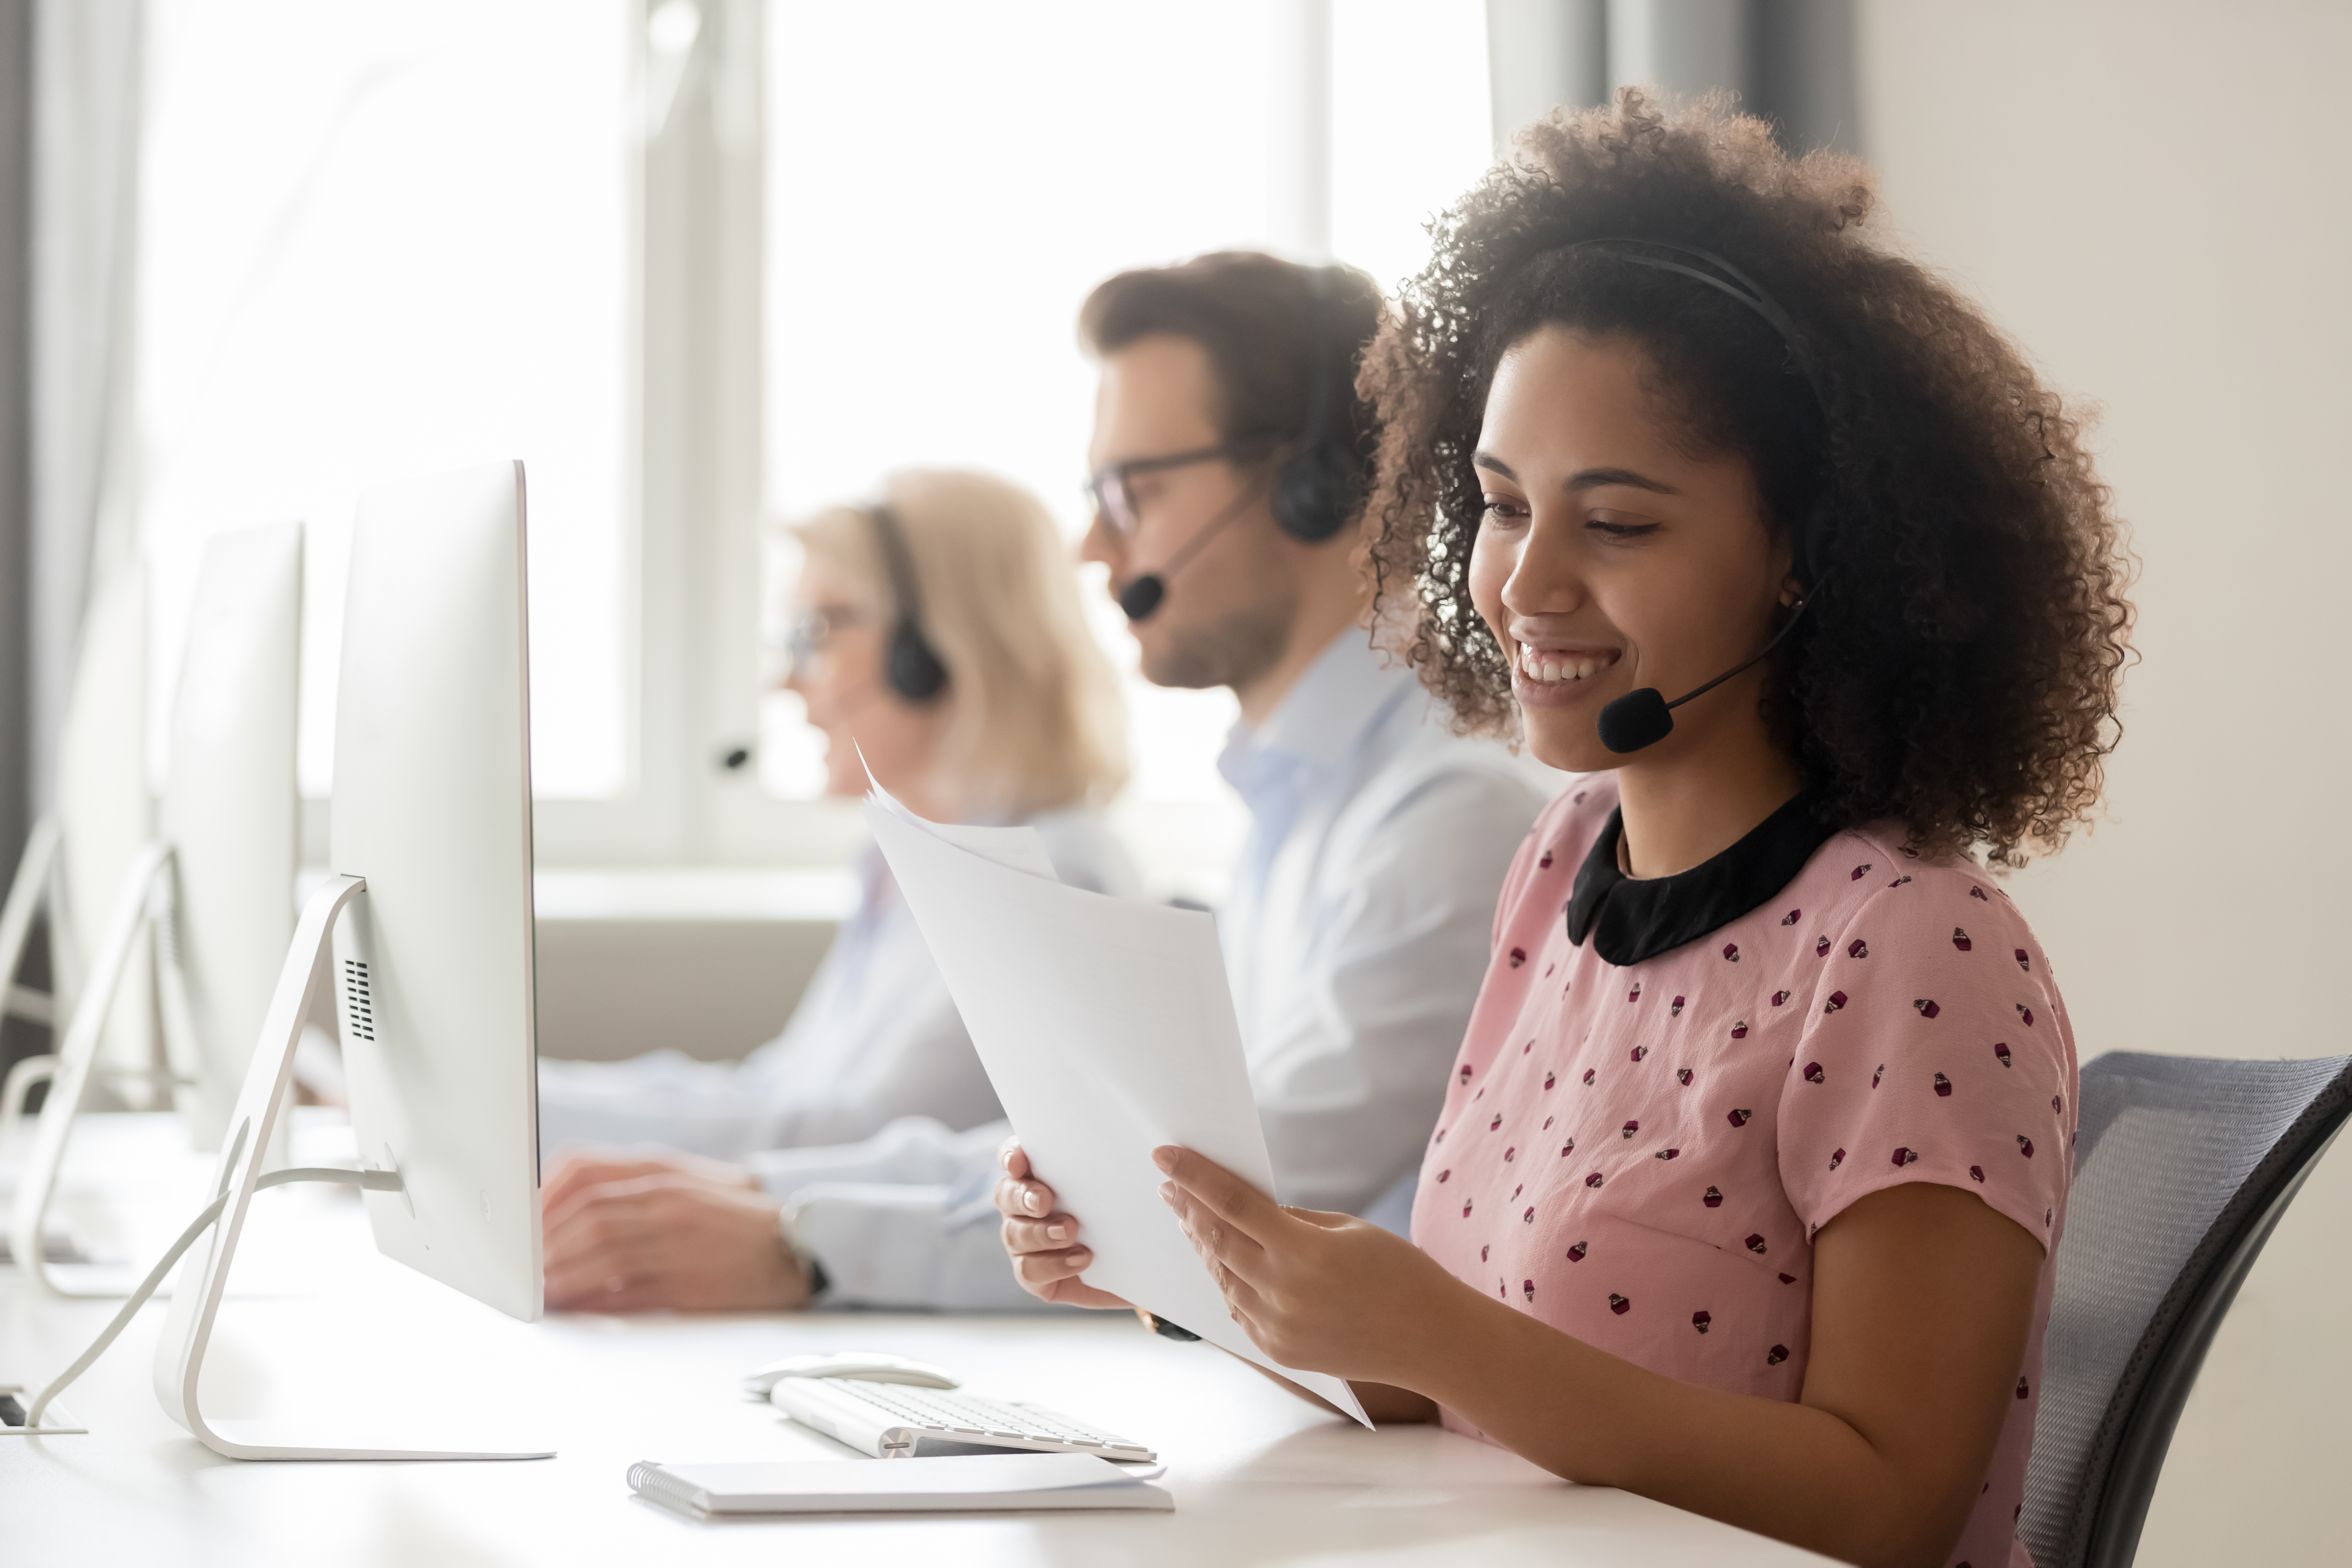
1033, 1202
1164, 1157
1081, 1255
1057, 1233
1167, 1193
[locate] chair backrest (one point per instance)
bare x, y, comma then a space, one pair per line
2182, 1168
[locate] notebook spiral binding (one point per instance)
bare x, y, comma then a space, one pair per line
648, 1477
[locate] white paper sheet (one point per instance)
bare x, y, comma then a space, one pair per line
1107, 1029
1022, 848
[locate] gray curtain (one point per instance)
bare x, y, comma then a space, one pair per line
1791, 61
69, 100
87, 60
18, 1038
16, 427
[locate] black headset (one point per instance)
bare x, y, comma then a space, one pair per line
909, 664
1806, 543
1643, 718
1321, 483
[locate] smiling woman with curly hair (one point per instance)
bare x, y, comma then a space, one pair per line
1758, 1149
1958, 664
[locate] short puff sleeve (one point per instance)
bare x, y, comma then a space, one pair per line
1936, 1050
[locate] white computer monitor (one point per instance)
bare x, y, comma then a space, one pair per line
104, 812
232, 813
217, 880
430, 922
431, 806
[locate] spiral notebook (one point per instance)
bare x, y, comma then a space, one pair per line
965, 1484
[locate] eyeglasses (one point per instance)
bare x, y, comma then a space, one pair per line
813, 631
1111, 493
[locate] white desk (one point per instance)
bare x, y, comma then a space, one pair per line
1257, 1475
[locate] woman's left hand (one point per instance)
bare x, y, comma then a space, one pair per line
1318, 1292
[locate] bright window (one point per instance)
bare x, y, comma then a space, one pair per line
933, 226
945, 186
1410, 128
380, 241
377, 241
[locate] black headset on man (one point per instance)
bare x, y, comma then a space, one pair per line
1314, 493
1320, 483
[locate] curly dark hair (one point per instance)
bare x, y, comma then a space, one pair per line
1960, 662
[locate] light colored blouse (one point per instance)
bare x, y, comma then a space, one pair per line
1639, 1154
876, 1037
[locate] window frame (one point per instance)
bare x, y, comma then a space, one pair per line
695, 516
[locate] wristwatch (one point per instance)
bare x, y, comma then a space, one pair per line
791, 1242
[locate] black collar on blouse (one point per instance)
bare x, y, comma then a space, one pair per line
1631, 920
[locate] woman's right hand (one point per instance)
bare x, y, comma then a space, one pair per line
1047, 1257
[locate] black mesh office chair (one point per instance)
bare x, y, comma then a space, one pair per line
2181, 1173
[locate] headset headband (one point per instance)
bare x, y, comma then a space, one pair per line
910, 665
1318, 358
896, 562
1741, 287
1751, 294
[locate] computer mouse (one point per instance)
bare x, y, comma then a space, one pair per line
874, 1366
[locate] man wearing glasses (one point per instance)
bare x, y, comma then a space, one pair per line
1230, 455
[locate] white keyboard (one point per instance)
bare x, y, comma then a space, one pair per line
900, 1421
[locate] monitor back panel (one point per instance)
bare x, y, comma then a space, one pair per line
230, 809
103, 808
431, 806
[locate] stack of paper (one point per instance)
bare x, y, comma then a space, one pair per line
1107, 1029
963, 1485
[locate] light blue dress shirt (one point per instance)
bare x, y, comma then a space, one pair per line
1355, 939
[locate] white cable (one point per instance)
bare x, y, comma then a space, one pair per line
379, 1181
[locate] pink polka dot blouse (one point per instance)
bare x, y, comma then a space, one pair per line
1638, 1152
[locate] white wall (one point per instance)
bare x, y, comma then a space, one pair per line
2156, 198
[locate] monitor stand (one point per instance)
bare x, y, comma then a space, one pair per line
204, 1275
145, 901
35, 875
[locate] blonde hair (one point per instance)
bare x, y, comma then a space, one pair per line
1037, 722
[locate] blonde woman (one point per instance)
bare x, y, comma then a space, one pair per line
937, 631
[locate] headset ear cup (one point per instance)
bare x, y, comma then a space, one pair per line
913, 670
1315, 492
